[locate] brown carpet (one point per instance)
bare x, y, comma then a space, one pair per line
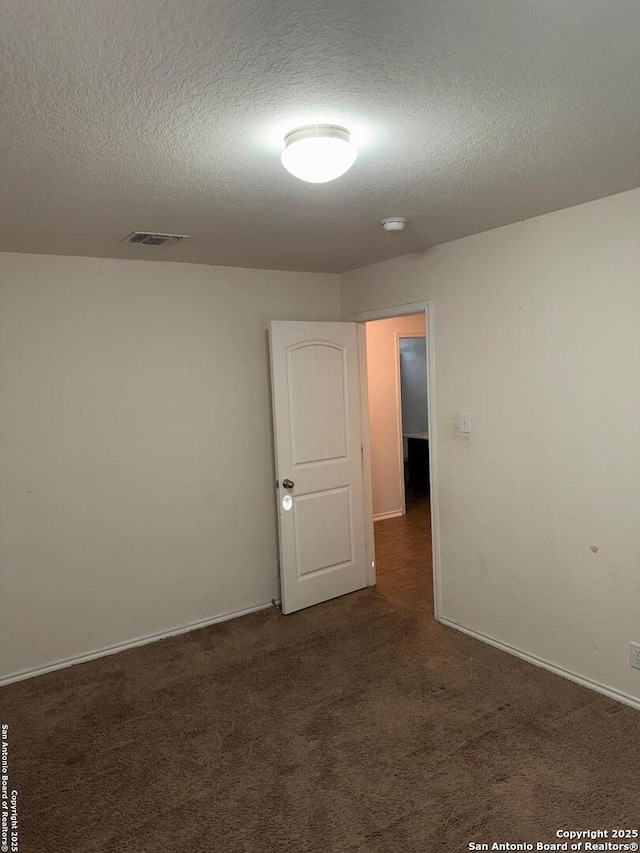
357, 725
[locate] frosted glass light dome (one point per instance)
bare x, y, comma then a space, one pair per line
318, 153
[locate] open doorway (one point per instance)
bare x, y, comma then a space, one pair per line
397, 391
323, 478
412, 358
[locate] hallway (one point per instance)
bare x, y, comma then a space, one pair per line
403, 556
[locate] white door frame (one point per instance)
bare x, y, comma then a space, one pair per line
403, 496
385, 314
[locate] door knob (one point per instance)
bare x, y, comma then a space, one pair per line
288, 484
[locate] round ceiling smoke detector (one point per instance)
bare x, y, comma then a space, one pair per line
318, 153
394, 223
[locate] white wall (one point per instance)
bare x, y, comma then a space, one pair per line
537, 335
136, 464
384, 401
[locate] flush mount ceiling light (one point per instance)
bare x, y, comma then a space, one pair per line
318, 153
394, 223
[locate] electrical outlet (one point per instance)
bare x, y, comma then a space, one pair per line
635, 655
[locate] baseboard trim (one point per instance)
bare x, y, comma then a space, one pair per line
610, 692
384, 515
132, 644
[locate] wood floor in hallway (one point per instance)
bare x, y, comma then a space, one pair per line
404, 567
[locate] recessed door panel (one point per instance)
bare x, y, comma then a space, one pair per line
317, 399
323, 531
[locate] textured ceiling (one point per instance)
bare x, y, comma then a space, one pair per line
162, 115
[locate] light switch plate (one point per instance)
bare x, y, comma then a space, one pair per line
464, 424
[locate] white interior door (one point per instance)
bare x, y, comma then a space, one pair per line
318, 438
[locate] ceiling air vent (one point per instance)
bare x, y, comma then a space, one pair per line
154, 238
